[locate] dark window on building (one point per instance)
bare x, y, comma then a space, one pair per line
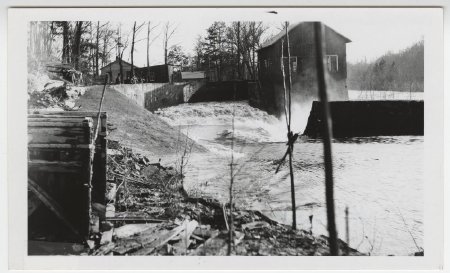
151, 76
293, 62
333, 63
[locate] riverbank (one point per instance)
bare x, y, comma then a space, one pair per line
153, 215
148, 211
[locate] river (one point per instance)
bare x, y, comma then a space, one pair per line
379, 179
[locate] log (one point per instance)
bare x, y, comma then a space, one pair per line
254, 225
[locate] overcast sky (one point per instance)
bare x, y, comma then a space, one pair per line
373, 32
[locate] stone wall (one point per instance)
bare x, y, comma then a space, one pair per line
153, 96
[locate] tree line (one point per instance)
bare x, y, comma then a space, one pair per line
87, 46
225, 51
402, 71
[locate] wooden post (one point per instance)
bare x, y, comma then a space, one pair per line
326, 136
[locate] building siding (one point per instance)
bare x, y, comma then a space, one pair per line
270, 92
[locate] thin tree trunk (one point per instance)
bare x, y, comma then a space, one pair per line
230, 231
148, 51
65, 51
132, 50
239, 50
96, 48
290, 134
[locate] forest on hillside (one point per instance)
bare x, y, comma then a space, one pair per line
401, 71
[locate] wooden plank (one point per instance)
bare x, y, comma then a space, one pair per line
59, 146
56, 123
55, 168
57, 118
73, 136
51, 204
66, 114
182, 246
163, 238
135, 219
133, 243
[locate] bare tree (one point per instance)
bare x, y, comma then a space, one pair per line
149, 42
168, 32
121, 46
133, 42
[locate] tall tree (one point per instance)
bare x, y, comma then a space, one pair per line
133, 42
149, 42
168, 32
76, 46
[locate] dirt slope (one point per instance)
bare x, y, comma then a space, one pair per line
137, 128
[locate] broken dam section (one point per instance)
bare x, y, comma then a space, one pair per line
369, 118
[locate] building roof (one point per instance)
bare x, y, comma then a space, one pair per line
193, 75
281, 34
117, 61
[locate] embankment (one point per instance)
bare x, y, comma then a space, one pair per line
369, 118
132, 124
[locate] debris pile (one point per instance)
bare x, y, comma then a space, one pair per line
148, 213
44, 92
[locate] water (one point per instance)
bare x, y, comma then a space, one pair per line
379, 179
384, 95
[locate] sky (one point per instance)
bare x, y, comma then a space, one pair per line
373, 32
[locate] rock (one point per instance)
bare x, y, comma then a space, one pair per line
110, 210
55, 87
111, 190
150, 171
106, 225
90, 243
107, 237
69, 103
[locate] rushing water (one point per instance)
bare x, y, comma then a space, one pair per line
379, 179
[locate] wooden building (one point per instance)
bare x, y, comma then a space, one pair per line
269, 93
158, 73
112, 70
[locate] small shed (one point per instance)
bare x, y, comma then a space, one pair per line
157, 73
112, 70
269, 95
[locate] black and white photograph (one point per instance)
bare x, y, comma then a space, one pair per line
230, 132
